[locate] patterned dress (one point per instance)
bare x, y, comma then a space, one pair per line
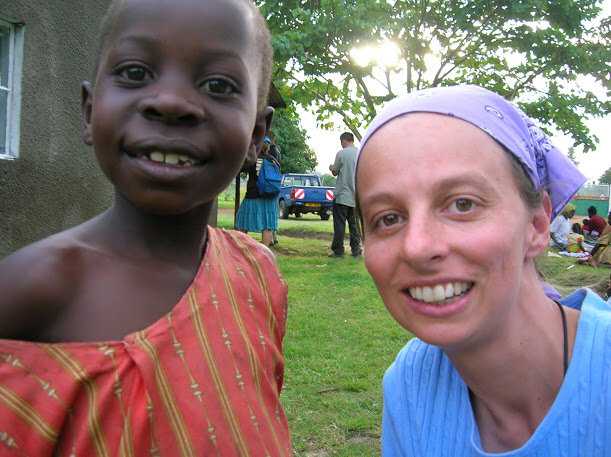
204, 380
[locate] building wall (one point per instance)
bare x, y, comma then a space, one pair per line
54, 183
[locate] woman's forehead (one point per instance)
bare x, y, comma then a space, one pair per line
429, 151
410, 133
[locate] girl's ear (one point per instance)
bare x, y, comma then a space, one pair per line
540, 228
263, 123
87, 103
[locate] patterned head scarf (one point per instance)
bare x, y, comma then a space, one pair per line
544, 164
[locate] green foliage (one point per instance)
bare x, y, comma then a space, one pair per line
530, 51
328, 180
606, 177
571, 155
297, 157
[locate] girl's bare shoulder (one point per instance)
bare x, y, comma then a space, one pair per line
37, 281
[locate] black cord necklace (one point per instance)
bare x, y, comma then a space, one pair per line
566, 338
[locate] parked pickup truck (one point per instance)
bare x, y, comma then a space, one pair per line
302, 193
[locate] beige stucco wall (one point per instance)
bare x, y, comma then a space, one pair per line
55, 183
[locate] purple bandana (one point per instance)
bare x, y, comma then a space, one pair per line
546, 166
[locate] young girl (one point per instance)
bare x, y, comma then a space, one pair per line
576, 240
144, 331
496, 367
256, 213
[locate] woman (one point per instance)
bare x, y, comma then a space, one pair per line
600, 256
456, 188
258, 214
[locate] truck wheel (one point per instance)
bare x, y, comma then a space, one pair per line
324, 216
283, 211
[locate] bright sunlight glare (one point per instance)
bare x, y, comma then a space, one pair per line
385, 55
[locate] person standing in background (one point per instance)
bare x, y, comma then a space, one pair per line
343, 198
274, 151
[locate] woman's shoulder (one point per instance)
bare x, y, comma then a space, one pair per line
423, 392
417, 358
589, 304
421, 367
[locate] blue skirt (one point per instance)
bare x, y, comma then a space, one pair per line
257, 214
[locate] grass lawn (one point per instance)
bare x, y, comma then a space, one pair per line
340, 339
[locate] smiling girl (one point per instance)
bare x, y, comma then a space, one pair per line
452, 229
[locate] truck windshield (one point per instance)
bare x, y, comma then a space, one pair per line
306, 181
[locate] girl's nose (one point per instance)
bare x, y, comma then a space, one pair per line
171, 107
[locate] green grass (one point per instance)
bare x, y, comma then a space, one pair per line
556, 271
340, 339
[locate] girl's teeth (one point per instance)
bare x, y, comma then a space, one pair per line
157, 156
172, 159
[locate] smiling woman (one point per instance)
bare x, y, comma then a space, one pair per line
453, 218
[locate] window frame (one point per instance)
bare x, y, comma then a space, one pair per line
13, 87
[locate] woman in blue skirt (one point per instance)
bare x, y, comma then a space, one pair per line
257, 214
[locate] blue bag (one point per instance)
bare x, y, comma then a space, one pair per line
268, 181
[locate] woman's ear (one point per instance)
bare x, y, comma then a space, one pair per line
263, 122
87, 104
539, 225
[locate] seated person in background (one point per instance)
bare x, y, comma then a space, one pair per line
576, 240
596, 224
560, 228
585, 226
600, 255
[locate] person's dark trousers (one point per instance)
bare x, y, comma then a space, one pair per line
341, 214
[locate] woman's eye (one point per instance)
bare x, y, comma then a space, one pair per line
389, 220
218, 87
135, 73
462, 205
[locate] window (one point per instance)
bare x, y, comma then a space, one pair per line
11, 60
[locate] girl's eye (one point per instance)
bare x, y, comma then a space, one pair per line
135, 73
462, 205
218, 87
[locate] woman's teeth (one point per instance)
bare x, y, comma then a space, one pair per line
169, 158
440, 294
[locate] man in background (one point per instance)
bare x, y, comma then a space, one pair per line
343, 198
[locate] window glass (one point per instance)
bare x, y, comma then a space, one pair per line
4, 68
4, 55
11, 62
3, 120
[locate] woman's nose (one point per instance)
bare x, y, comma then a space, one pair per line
423, 243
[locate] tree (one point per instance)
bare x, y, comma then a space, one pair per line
328, 180
530, 51
291, 139
606, 177
571, 155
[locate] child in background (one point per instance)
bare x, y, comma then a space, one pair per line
143, 331
576, 240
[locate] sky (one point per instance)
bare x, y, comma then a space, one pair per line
593, 164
